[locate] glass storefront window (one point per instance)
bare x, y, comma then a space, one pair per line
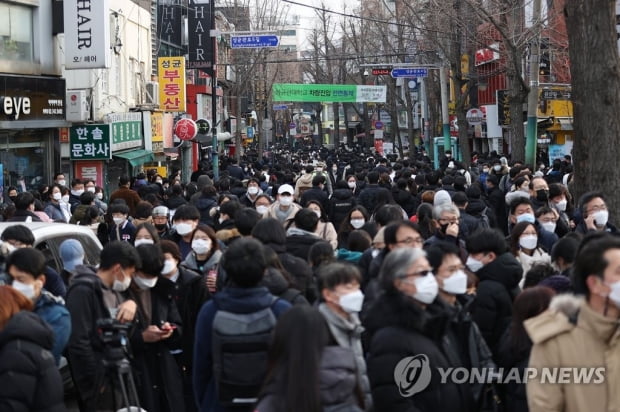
23, 159
16, 33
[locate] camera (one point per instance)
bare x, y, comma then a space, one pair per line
113, 334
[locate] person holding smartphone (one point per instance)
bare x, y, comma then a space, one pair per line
594, 213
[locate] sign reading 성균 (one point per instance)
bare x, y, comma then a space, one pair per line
171, 75
90, 142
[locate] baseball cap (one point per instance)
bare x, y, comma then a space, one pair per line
286, 189
71, 253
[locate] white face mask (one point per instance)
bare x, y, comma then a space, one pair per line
170, 265
145, 283
351, 185
526, 217
57, 196
183, 228
118, 220
352, 302
262, 209
497, 168
456, 283
357, 223
24, 288
99, 195
139, 242
601, 217
528, 242
474, 264
561, 205
77, 193
220, 220
65, 198
201, 246
614, 295
286, 200
62, 182
119, 286
549, 226
318, 213
252, 190
319, 169
91, 189
426, 288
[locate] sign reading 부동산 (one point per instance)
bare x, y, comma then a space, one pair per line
87, 38
346, 93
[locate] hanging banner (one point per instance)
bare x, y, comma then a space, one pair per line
126, 130
169, 13
171, 76
87, 34
345, 93
200, 43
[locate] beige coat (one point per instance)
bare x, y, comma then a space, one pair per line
591, 341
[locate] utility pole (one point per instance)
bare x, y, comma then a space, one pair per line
532, 100
445, 117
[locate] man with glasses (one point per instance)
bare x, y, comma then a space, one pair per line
447, 219
594, 214
95, 295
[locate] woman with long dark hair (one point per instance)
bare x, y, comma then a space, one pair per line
525, 246
306, 373
516, 345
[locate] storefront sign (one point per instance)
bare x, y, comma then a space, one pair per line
347, 93
90, 142
170, 14
90, 170
87, 34
157, 132
126, 129
171, 74
200, 43
32, 98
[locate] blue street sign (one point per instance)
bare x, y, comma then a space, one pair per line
409, 72
378, 125
280, 106
242, 42
250, 132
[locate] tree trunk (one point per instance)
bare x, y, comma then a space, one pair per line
517, 99
596, 98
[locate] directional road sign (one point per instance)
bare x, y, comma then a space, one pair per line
280, 106
245, 42
409, 72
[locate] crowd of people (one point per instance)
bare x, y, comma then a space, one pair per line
302, 283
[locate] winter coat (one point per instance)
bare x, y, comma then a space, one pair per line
299, 269
53, 311
30, 379
337, 380
125, 233
204, 204
272, 212
24, 216
278, 286
302, 184
527, 261
54, 211
370, 197
496, 204
513, 390
174, 202
299, 242
247, 201
80, 213
317, 194
227, 231
397, 327
236, 300
492, 308
211, 263
348, 255
341, 202
327, 232
158, 377
406, 200
129, 196
348, 334
572, 334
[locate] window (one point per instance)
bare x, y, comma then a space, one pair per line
16, 33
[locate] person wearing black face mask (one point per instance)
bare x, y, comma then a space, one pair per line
447, 217
539, 192
11, 195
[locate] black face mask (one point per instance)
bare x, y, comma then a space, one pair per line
444, 228
161, 227
542, 195
13, 198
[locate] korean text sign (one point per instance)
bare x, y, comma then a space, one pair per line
171, 75
90, 142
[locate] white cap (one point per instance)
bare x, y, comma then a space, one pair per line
286, 189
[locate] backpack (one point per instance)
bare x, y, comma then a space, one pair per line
483, 219
240, 343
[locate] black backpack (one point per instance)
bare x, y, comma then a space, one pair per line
240, 343
483, 219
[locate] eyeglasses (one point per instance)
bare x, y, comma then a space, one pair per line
421, 273
596, 208
448, 221
411, 241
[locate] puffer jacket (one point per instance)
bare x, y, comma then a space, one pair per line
30, 379
571, 334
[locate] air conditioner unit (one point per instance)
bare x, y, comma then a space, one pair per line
152, 93
78, 109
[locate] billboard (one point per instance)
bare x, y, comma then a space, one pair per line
87, 34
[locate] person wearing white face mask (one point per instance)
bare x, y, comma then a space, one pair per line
205, 255
26, 268
524, 246
284, 208
96, 295
595, 215
341, 303
159, 323
52, 207
251, 193
464, 333
121, 229
559, 201
262, 204
580, 330
184, 222
498, 273
77, 188
398, 326
146, 234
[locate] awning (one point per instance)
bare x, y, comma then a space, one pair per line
136, 157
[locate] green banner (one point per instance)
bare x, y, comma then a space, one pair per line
126, 130
343, 93
90, 142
